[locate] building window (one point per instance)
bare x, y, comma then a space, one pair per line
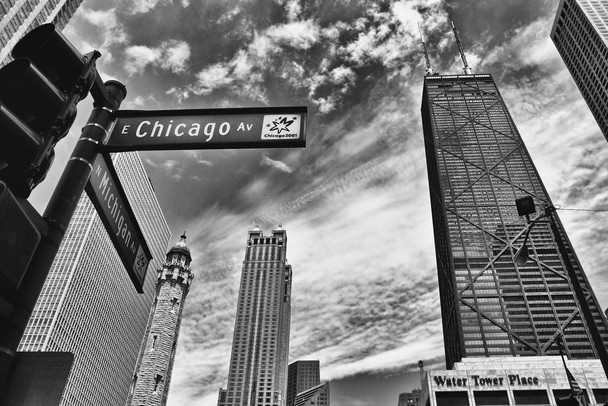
565, 393
459, 398
157, 381
531, 397
601, 395
491, 397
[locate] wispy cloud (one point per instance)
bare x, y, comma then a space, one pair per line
276, 164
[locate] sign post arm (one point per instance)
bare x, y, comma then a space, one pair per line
58, 214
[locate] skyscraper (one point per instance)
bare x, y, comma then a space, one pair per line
152, 376
17, 17
301, 375
477, 167
260, 345
88, 304
580, 34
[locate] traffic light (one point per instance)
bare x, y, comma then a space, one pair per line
21, 233
39, 91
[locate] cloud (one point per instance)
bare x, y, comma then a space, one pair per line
170, 167
294, 9
379, 37
297, 34
238, 75
527, 46
171, 55
276, 164
175, 55
140, 101
109, 31
196, 155
138, 57
144, 6
215, 76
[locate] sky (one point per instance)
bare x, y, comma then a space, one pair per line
355, 201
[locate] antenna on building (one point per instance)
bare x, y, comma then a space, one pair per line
429, 68
467, 69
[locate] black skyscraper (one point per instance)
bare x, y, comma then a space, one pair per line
477, 166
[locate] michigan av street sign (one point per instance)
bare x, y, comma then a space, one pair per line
249, 127
109, 198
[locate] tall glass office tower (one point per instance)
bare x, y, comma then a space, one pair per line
88, 304
477, 167
17, 17
260, 345
580, 34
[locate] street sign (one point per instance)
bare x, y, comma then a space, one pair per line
230, 128
109, 198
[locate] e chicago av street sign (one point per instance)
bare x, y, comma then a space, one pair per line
249, 127
109, 198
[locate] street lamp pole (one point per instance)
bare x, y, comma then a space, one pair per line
576, 285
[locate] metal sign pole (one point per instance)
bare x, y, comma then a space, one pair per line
58, 214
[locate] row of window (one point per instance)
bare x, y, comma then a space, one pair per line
521, 397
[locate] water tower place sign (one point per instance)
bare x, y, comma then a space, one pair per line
486, 380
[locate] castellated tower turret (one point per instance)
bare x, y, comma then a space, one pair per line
152, 376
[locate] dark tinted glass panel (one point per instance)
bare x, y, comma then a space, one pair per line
491, 397
531, 397
601, 395
452, 398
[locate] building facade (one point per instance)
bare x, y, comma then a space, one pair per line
260, 346
580, 34
17, 17
410, 398
513, 381
477, 167
89, 306
301, 375
316, 396
152, 377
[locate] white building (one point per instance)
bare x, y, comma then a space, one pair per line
580, 34
260, 345
17, 17
89, 306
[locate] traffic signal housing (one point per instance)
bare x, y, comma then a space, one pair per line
39, 91
18, 240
